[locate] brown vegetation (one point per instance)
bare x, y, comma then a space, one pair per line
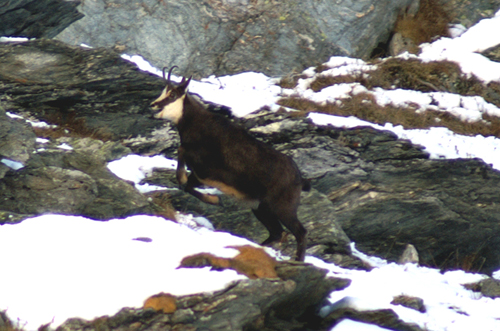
429, 22
442, 76
363, 106
163, 302
436, 76
69, 125
252, 262
163, 206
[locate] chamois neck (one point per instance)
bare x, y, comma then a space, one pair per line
192, 111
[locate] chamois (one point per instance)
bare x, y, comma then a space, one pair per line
225, 156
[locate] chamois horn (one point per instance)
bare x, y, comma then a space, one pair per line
169, 73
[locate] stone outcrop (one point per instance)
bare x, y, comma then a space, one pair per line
285, 303
224, 37
35, 18
17, 142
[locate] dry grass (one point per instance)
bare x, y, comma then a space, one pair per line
68, 125
394, 73
429, 22
364, 106
163, 206
290, 81
437, 76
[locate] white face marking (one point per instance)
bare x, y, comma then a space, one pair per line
172, 111
164, 94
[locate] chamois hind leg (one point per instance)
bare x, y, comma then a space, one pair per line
285, 208
192, 183
181, 172
292, 223
265, 215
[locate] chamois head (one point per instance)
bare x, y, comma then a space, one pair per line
170, 102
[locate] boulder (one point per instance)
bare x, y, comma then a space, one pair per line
37, 18
226, 37
285, 303
17, 142
74, 182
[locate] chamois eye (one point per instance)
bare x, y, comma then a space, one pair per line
173, 95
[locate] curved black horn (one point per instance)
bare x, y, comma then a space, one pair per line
169, 73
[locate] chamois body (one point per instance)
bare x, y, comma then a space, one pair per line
224, 155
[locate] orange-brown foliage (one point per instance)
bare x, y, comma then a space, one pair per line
164, 302
252, 262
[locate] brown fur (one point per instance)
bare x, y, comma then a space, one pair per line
224, 155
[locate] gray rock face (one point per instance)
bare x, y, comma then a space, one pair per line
224, 37
35, 18
17, 141
68, 182
287, 303
469, 13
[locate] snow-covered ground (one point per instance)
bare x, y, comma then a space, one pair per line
56, 267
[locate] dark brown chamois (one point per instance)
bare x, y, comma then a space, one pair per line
223, 155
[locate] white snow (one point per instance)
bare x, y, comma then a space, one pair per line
57, 267
12, 164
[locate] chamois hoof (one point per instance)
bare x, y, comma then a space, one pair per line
271, 240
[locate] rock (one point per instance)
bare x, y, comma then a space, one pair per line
68, 182
82, 90
400, 44
264, 304
385, 318
37, 18
445, 208
17, 142
492, 53
410, 302
488, 287
410, 255
468, 13
273, 37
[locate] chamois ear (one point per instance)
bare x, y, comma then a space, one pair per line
184, 83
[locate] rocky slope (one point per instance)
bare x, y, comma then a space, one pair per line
368, 186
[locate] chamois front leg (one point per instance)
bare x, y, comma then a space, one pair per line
181, 172
189, 183
192, 183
